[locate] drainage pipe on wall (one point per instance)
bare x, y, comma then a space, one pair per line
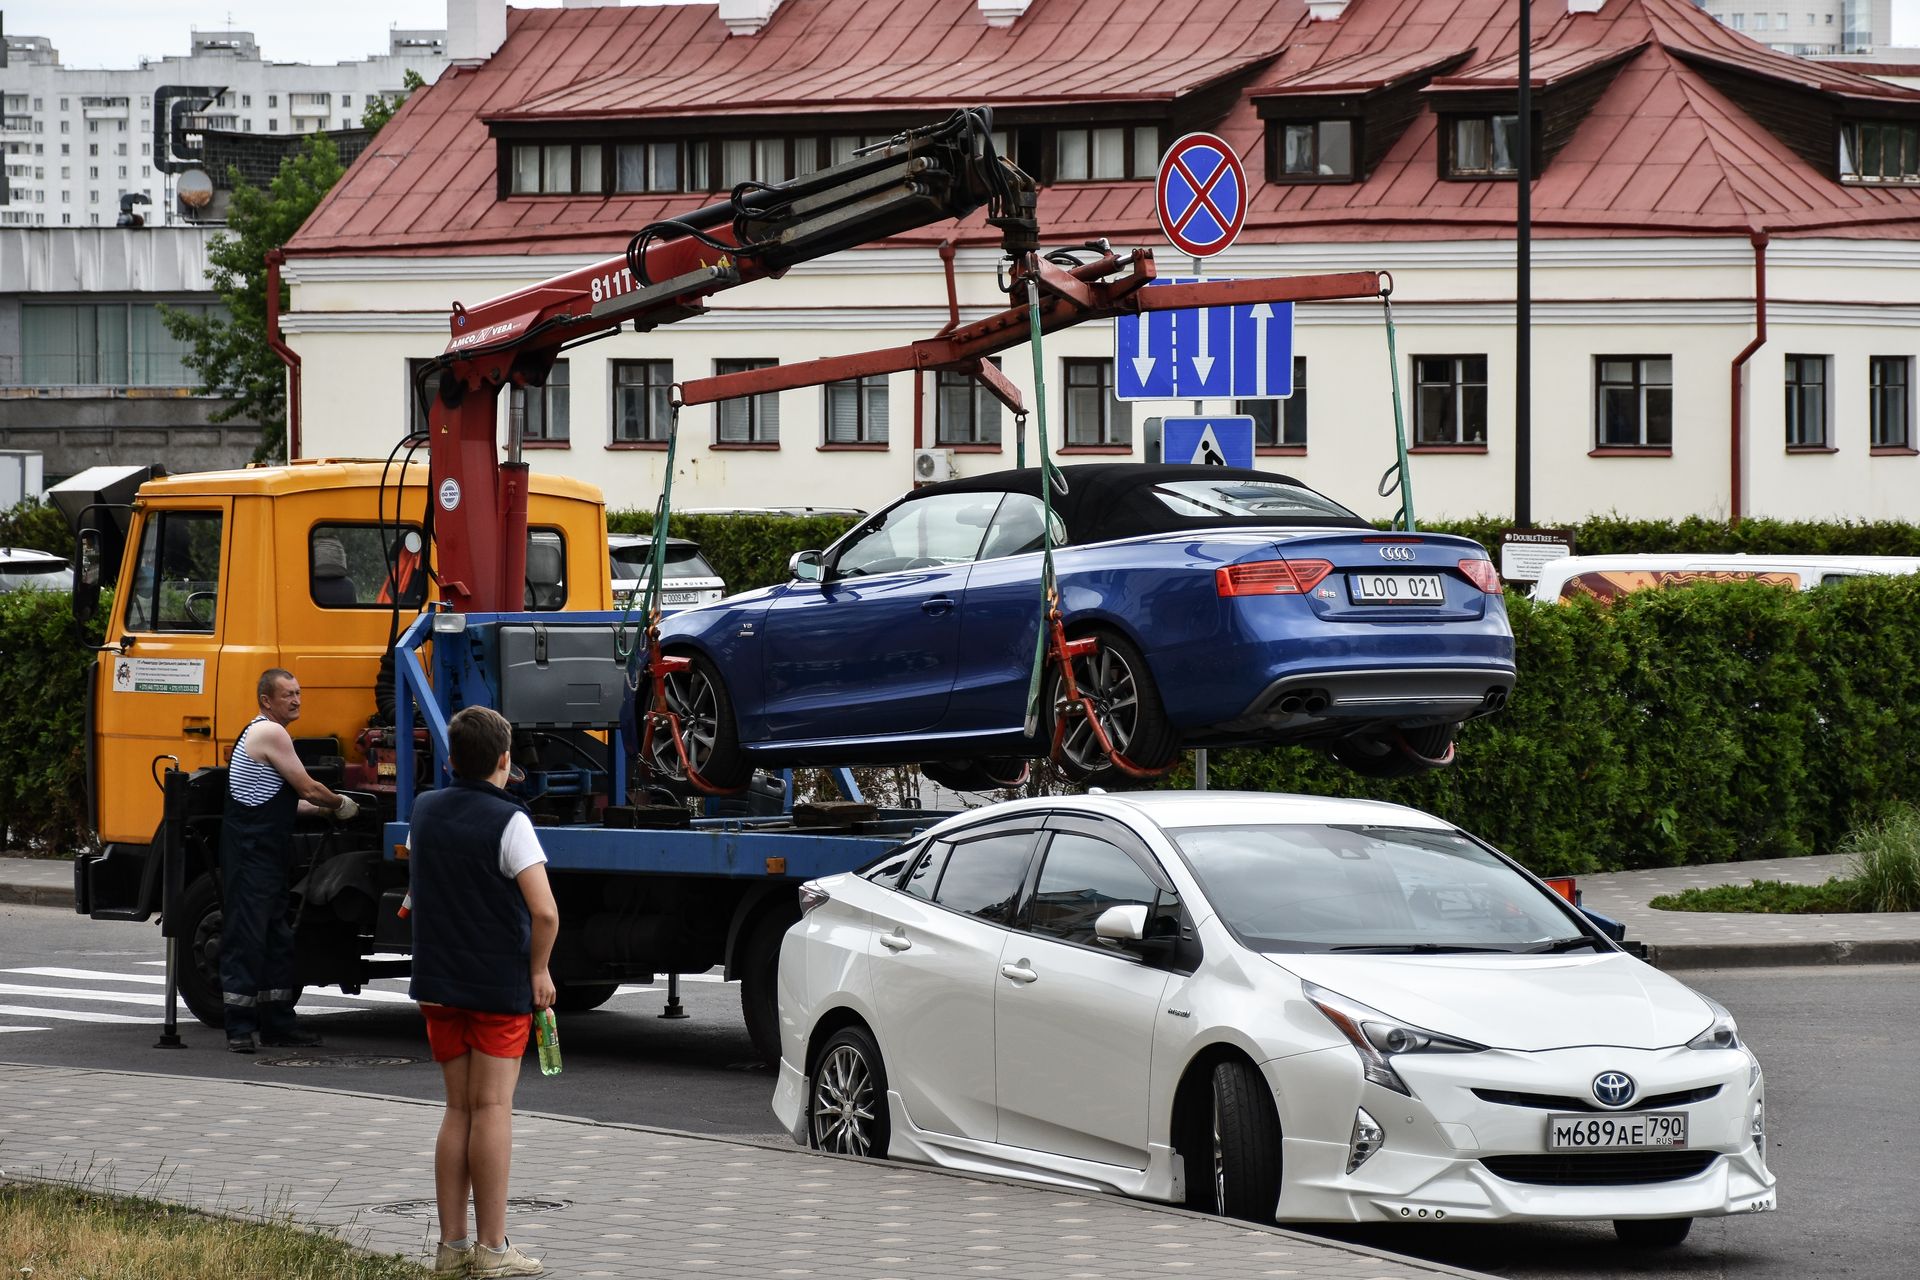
1737, 433
288, 356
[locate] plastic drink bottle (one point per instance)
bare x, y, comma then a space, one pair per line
547, 1032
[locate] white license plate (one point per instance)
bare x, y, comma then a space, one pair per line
1396, 588
1626, 1131
683, 597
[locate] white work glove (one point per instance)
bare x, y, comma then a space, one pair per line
347, 810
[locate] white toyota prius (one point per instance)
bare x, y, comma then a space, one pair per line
1272, 1007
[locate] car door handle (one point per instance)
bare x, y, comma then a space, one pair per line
895, 941
1019, 972
937, 605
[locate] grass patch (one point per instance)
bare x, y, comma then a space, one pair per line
65, 1233
1769, 896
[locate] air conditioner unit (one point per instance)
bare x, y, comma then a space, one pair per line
930, 466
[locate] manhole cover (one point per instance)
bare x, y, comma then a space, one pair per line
428, 1208
344, 1060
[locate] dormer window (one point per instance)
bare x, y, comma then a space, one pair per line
1315, 149
1879, 151
1483, 146
1105, 154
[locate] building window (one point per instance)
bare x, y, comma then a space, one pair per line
418, 397
964, 412
541, 413
647, 166
111, 344
1806, 402
1311, 149
1633, 402
1890, 401
1280, 424
642, 401
1094, 416
857, 411
747, 419
1450, 400
1483, 146
273, 100
1879, 152
1106, 154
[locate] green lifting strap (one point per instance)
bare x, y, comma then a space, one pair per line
623, 647
1049, 476
1404, 476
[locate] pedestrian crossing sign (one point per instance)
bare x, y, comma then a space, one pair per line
1217, 442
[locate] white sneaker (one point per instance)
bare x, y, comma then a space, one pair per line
488, 1263
450, 1263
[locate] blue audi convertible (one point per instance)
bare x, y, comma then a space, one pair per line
1229, 608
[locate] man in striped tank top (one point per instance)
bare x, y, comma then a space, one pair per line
267, 788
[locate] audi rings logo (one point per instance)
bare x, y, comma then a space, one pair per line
1396, 553
1613, 1088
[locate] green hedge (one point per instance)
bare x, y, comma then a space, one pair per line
746, 551
43, 693
1706, 724
37, 525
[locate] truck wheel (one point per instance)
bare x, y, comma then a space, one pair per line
759, 969
581, 996
199, 969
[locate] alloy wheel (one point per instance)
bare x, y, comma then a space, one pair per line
1109, 684
843, 1103
690, 695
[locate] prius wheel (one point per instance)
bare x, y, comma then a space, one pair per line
847, 1097
1652, 1233
1115, 679
1232, 1148
699, 697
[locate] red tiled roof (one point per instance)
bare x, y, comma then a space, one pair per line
1661, 153
1362, 72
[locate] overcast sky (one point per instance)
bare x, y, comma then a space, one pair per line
117, 33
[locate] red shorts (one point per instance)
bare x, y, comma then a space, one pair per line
452, 1032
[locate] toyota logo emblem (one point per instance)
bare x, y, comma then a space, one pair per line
1396, 553
1613, 1088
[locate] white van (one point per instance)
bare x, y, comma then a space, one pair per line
1606, 577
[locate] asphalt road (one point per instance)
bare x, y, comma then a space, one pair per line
1841, 1048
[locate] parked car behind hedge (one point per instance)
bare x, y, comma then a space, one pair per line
1608, 577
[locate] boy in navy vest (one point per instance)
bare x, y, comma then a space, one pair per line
484, 922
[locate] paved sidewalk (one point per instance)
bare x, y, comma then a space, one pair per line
618, 1200
38, 882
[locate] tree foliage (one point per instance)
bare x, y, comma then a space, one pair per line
381, 106
37, 525
229, 351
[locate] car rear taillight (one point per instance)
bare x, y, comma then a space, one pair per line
1271, 577
1482, 574
811, 896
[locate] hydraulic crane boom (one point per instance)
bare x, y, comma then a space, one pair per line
917, 178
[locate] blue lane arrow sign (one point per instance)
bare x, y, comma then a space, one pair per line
1263, 350
1143, 356
1202, 340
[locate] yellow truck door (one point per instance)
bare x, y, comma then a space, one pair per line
156, 696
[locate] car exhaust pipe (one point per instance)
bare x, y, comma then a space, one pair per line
1290, 705
1314, 703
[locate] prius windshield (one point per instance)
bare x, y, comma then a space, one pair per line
1381, 889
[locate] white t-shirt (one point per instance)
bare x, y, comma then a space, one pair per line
519, 847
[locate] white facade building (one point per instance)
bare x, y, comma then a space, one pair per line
1809, 28
75, 141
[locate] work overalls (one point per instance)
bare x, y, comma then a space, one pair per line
256, 942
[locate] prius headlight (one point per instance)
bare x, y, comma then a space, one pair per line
1378, 1038
1723, 1033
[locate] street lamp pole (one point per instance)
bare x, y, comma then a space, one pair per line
1523, 285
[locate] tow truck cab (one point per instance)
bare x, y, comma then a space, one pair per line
219, 576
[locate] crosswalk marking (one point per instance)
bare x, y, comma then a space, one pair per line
4, 1030
70, 1015
101, 975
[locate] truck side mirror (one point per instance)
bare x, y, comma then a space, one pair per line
805, 566
87, 559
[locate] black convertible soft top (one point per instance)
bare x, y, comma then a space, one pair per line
1111, 500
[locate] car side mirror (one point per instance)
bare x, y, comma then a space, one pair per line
805, 566
87, 560
1122, 924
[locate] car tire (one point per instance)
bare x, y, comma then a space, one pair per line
1652, 1233
699, 696
582, 997
758, 964
1118, 679
847, 1096
198, 973
1377, 756
1232, 1146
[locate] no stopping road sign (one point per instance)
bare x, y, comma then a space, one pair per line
1201, 195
